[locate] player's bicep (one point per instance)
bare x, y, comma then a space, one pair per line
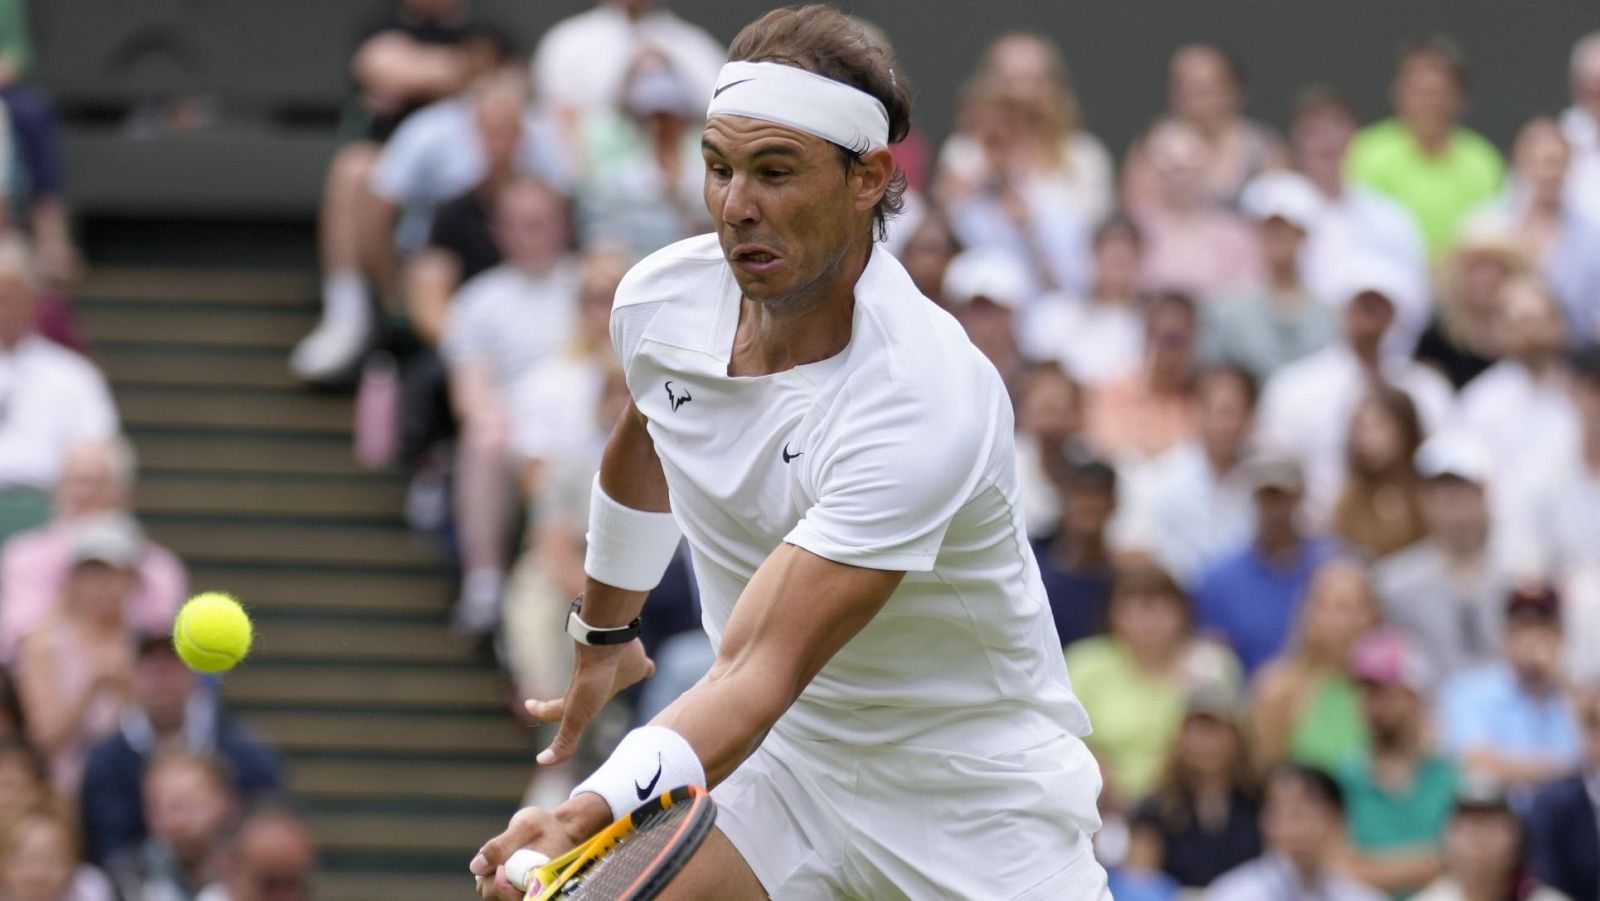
630, 471
795, 614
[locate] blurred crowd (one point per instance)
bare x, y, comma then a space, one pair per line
1308, 416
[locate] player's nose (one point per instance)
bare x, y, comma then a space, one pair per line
739, 206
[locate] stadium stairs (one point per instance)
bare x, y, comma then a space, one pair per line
395, 734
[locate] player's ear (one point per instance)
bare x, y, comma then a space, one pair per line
870, 176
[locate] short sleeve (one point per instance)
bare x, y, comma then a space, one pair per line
398, 171
889, 481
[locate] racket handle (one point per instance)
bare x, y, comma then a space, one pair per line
520, 867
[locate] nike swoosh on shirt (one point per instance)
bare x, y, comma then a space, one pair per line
644, 792
718, 92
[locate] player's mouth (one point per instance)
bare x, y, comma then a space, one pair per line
754, 258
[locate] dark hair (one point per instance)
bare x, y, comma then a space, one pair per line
1139, 573
1240, 376
825, 41
1092, 475
1318, 784
1119, 225
1322, 100
1442, 49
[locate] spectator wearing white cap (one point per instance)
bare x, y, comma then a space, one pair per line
1191, 245
50, 398
1399, 794
1353, 220
1306, 407
582, 62
985, 288
1151, 410
1557, 235
1447, 590
1581, 124
96, 479
1280, 321
1522, 405
75, 671
1100, 337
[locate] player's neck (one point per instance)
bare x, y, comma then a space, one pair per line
808, 329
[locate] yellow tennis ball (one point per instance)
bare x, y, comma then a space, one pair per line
212, 632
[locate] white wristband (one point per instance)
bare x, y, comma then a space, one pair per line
649, 761
628, 548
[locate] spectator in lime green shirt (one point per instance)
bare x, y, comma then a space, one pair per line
1422, 157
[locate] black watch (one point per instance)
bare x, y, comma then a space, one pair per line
594, 636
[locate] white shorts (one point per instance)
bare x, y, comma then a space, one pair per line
822, 820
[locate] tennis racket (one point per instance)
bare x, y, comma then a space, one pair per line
632, 859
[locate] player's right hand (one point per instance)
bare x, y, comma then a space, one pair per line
551, 833
598, 673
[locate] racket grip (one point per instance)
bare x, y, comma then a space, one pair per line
520, 866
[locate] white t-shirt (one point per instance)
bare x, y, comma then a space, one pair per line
511, 320
895, 454
555, 410
581, 61
1095, 342
50, 398
1518, 417
1185, 513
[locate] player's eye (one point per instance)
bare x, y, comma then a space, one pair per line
774, 174
719, 170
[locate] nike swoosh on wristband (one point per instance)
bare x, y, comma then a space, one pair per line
644, 792
718, 92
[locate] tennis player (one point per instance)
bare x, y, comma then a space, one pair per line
889, 714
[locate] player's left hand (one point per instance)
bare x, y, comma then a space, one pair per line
598, 673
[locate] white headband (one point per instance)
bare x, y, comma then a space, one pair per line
831, 110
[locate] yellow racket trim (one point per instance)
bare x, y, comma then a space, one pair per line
553, 875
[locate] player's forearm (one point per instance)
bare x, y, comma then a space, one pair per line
725, 716
630, 474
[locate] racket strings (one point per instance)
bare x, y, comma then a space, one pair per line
633, 855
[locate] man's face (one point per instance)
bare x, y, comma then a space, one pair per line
1532, 323
1225, 418
1172, 332
1480, 846
1296, 823
530, 225
1540, 158
1533, 648
1367, 317
927, 255
97, 590
89, 482
1320, 140
272, 863
1392, 712
1202, 88
786, 208
162, 686
1426, 93
185, 808
1280, 242
1050, 408
499, 118
1087, 510
1116, 266
1275, 511
991, 328
1455, 510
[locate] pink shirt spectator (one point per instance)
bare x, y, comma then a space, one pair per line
1203, 254
34, 566
1128, 418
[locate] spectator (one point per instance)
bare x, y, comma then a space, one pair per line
1192, 504
1557, 505
1485, 853
501, 325
39, 861
1380, 509
1564, 824
985, 288
1447, 591
1580, 123
1006, 188
1152, 410
412, 58
927, 253
1307, 407
642, 172
269, 857
1302, 823
1522, 405
36, 137
74, 672
1422, 157
1192, 245
188, 800
1075, 564
96, 481
1281, 321
1464, 338
171, 710
1203, 818
1398, 797
1251, 597
1101, 337
449, 147
582, 62
1049, 441
24, 780
1556, 235
1206, 92
52, 397
1134, 681
1307, 708
1352, 220
1510, 720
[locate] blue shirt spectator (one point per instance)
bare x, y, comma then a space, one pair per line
1075, 564
170, 707
1564, 837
